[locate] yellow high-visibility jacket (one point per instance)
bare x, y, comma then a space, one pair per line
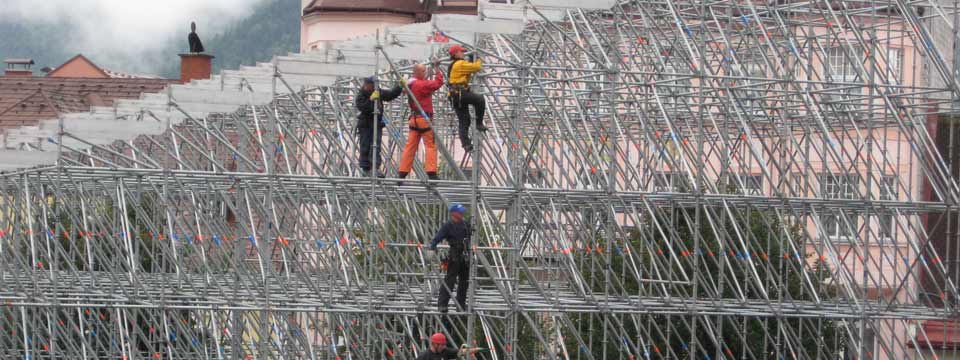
461, 70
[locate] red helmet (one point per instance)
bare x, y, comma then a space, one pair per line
438, 339
455, 48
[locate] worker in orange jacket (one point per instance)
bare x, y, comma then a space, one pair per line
421, 91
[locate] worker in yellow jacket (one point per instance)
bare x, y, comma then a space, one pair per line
460, 95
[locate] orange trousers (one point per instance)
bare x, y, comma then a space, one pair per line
419, 129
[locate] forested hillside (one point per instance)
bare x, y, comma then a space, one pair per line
272, 28
42, 43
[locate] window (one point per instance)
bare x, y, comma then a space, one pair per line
888, 191
837, 222
536, 178
749, 184
590, 179
756, 70
797, 185
894, 66
750, 100
840, 68
667, 181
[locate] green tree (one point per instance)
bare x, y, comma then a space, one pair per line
699, 251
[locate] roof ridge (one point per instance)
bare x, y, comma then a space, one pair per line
84, 58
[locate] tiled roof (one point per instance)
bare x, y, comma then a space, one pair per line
27, 100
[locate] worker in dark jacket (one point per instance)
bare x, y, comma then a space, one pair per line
461, 96
367, 99
457, 233
439, 350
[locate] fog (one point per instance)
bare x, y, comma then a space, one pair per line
128, 35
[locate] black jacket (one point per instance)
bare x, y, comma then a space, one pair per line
365, 105
445, 353
457, 234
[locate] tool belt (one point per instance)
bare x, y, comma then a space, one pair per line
457, 253
415, 124
457, 89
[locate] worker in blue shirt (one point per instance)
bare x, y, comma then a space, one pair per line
457, 233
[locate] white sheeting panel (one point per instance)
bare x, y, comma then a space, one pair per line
182, 94
306, 66
16, 159
519, 12
575, 4
470, 23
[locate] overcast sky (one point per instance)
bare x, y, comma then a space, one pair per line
128, 28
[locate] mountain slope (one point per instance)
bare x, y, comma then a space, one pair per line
41, 43
273, 28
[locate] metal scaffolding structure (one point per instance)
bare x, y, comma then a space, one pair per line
662, 179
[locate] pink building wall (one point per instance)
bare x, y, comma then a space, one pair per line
319, 28
852, 262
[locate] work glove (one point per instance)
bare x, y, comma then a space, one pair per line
375, 95
464, 350
471, 57
403, 82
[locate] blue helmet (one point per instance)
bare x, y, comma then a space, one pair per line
457, 208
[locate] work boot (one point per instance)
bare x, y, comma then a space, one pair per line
402, 175
481, 128
468, 148
442, 308
432, 176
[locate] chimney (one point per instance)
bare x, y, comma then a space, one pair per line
195, 66
18, 67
